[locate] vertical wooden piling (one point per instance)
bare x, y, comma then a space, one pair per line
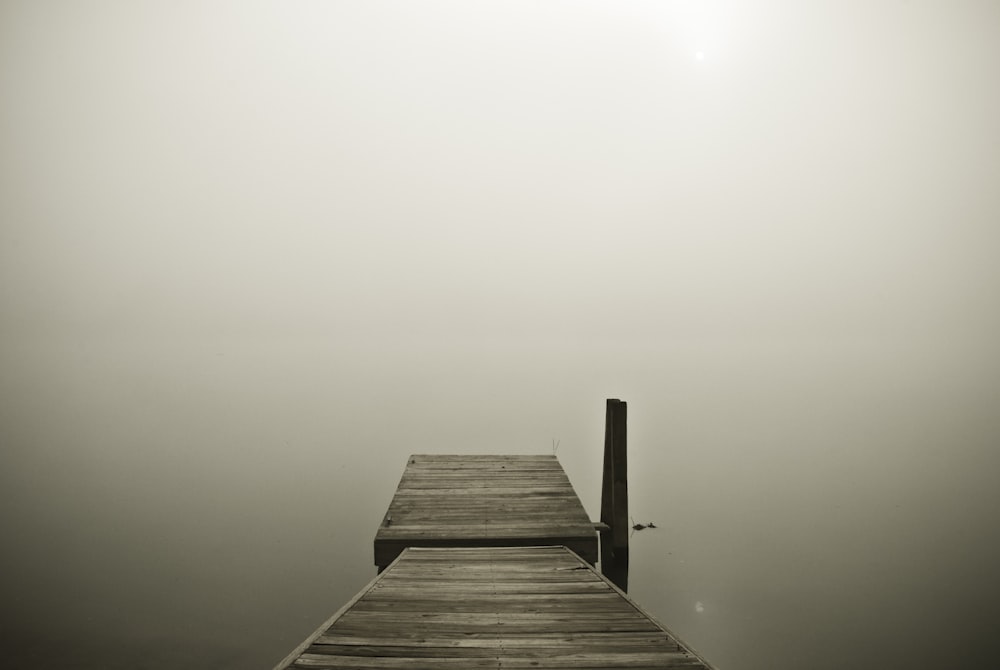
614, 495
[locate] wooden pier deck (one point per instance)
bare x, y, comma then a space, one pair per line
492, 607
462, 500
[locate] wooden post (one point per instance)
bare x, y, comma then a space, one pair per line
614, 495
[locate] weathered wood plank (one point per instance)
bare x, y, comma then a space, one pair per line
484, 500
492, 607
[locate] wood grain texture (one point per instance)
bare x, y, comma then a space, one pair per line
484, 500
508, 607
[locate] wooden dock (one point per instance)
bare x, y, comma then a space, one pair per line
491, 607
477, 501
488, 562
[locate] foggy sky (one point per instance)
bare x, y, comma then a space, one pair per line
252, 255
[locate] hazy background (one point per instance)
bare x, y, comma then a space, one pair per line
252, 255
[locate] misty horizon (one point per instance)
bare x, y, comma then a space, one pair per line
253, 255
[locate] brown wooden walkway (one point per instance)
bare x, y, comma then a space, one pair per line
514, 607
461, 500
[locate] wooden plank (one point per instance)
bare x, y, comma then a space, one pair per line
484, 500
483, 607
295, 653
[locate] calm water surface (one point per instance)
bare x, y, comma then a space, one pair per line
818, 504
